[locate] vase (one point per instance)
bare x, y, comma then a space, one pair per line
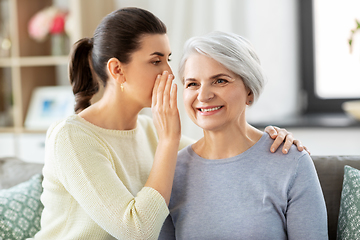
59, 45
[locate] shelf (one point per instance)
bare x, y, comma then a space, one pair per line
5, 62
34, 61
19, 130
29, 64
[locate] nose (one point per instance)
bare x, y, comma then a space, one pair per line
205, 94
168, 68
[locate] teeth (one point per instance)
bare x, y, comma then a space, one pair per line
209, 109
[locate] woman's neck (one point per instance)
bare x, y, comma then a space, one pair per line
227, 143
112, 112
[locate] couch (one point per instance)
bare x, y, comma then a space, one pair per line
330, 170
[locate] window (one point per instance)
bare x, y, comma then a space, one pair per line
330, 71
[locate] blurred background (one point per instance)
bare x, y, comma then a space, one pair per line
310, 57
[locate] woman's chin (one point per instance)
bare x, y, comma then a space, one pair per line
209, 126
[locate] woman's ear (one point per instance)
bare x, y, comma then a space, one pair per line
114, 68
250, 97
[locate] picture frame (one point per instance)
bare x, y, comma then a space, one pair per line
49, 104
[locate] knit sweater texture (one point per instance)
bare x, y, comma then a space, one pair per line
94, 182
254, 195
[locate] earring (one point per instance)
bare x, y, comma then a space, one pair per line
122, 87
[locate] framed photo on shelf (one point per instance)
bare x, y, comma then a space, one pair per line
49, 104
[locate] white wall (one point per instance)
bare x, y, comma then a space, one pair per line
271, 27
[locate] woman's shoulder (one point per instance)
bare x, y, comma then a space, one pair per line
186, 157
266, 141
185, 152
60, 124
71, 125
183, 156
278, 160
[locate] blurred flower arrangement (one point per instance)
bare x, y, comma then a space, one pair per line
353, 32
51, 21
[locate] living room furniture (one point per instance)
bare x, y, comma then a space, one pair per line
26, 64
330, 170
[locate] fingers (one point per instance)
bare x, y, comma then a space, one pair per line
299, 146
173, 99
306, 149
280, 137
162, 89
289, 139
164, 108
271, 131
167, 90
155, 89
277, 142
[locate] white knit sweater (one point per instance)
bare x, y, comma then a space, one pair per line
94, 182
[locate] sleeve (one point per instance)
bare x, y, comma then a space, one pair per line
83, 165
168, 230
306, 214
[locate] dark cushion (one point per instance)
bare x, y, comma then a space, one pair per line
330, 170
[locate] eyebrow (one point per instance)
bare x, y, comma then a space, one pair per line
159, 54
220, 75
212, 77
189, 79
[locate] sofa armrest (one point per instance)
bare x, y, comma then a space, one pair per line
330, 170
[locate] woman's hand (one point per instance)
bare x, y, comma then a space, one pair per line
164, 108
167, 123
282, 135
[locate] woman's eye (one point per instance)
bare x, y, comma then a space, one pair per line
190, 85
156, 62
221, 81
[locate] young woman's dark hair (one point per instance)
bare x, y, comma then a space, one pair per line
118, 35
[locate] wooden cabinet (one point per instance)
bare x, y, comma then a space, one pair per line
28, 64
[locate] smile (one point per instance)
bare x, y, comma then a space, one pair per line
209, 109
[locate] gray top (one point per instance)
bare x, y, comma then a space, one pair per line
254, 195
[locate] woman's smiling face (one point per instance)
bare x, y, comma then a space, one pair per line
214, 97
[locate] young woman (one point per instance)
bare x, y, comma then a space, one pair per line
228, 185
109, 171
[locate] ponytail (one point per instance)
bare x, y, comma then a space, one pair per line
80, 72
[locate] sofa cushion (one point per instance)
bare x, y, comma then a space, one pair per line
20, 209
349, 217
14, 171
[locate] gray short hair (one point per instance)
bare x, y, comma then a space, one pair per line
233, 52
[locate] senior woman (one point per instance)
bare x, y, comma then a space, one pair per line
228, 185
